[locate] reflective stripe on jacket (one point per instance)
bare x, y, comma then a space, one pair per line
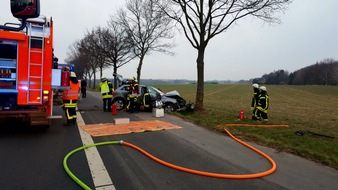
146, 100
69, 103
263, 103
72, 93
254, 100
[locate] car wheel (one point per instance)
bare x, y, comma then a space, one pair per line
169, 107
120, 104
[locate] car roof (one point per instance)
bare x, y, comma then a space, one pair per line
142, 85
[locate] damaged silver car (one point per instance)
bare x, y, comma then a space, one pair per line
171, 101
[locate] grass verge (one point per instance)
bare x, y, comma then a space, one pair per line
311, 110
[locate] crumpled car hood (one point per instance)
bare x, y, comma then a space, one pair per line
172, 93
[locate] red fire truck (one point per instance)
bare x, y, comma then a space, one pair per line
27, 77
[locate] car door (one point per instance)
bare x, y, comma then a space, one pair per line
154, 94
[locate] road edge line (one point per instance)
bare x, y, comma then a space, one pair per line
98, 171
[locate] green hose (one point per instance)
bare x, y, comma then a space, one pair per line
65, 166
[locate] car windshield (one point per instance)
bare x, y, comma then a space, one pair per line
153, 90
125, 88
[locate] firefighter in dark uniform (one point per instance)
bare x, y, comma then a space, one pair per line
132, 97
262, 104
84, 88
146, 104
254, 100
106, 88
70, 97
128, 105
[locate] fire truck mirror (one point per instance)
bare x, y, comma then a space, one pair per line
25, 8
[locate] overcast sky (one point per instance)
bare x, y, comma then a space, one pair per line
308, 34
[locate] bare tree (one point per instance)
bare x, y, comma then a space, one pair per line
82, 64
334, 74
75, 57
101, 48
146, 26
93, 44
89, 47
330, 70
116, 47
204, 19
323, 74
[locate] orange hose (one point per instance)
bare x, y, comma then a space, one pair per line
255, 125
209, 174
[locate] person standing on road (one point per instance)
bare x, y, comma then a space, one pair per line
84, 88
132, 96
69, 98
145, 100
254, 100
262, 104
106, 88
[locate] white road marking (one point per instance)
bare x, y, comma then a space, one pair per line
99, 172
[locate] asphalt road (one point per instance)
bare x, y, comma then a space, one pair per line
31, 159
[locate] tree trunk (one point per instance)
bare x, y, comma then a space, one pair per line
200, 80
139, 69
115, 78
101, 72
94, 81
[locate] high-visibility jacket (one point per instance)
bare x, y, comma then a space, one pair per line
71, 95
106, 89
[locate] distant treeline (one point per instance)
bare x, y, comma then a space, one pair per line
321, 73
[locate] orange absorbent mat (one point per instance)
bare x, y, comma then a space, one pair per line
256, 125
105, 129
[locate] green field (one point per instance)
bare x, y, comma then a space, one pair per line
310, 109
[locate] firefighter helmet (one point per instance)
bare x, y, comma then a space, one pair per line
255, 85
262, 88
72, 74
